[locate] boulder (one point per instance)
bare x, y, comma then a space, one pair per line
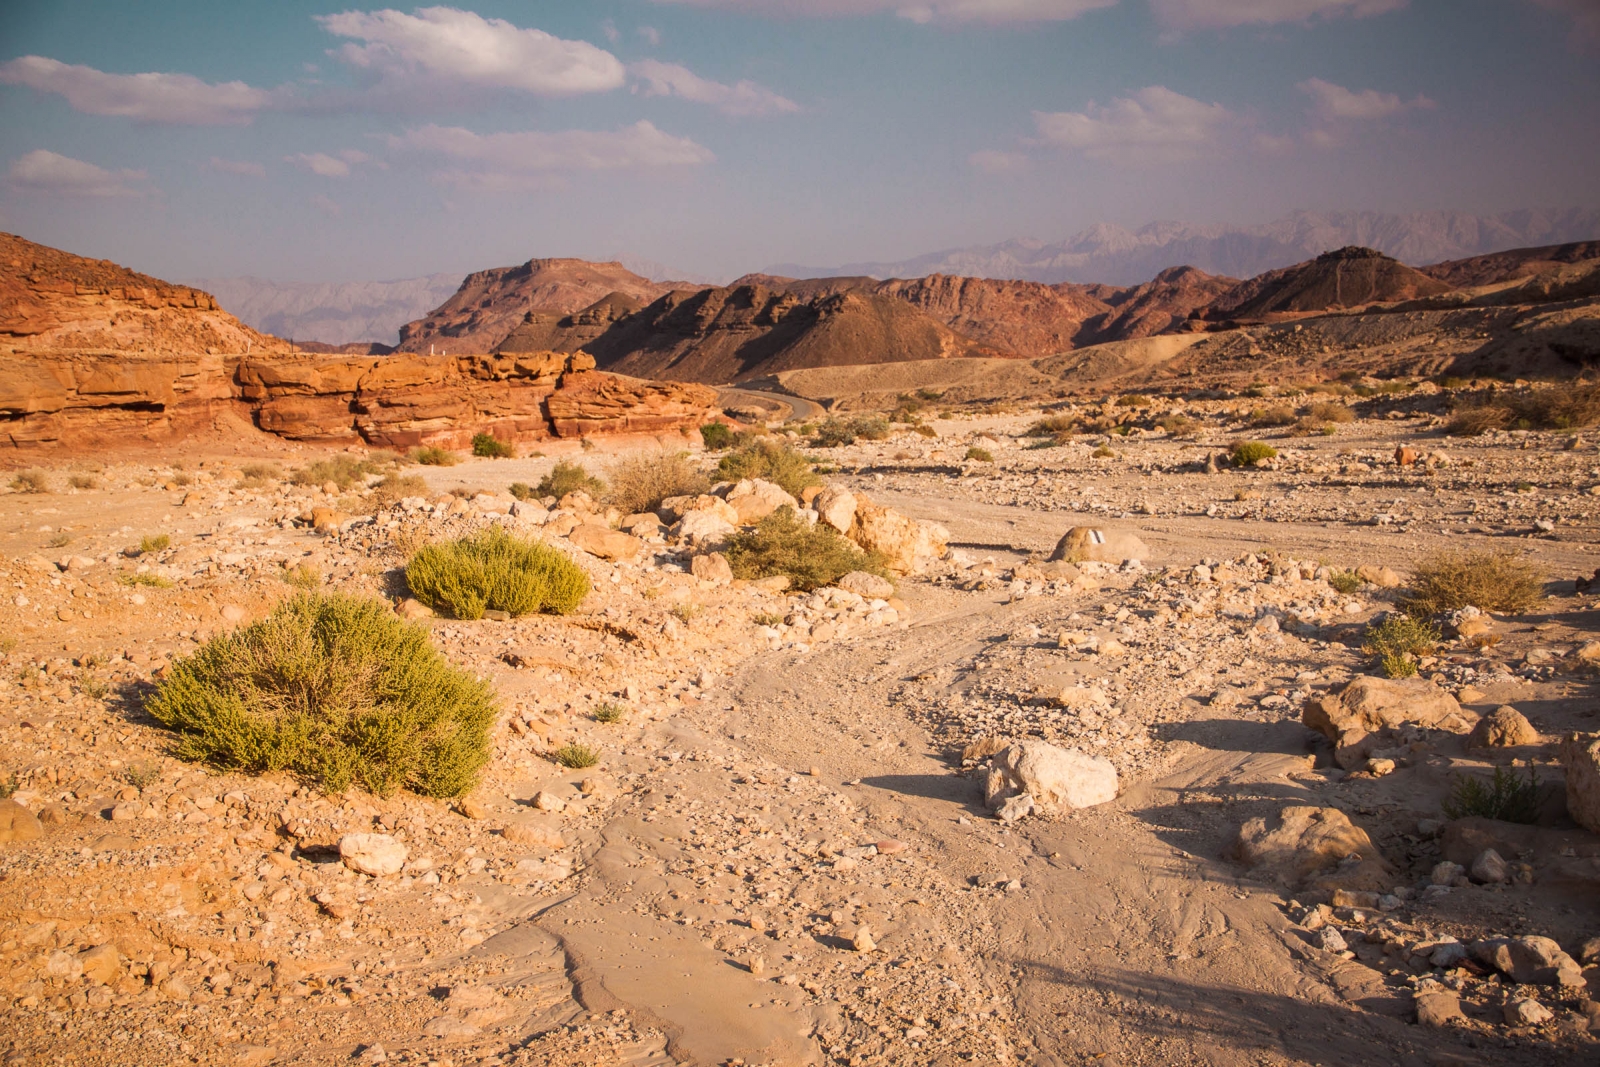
1352, 717
674, 508
1580, 756
711, 567
1439, 1009
1526, 960
1301, 841
704, 527
1504, 727
605, 542
535, 831
836, 506
1488, 868
1055, 778
755, 498
1525, 1011
17, 823
531, 512
1088, 543
102, 964
644, 524
906, 545
374, 854
1382, 577
867, 585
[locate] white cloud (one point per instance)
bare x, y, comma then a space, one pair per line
1332, 101
327, 206
503, 161
444, 44
744, 98
240, 167
43, 171
946, 11
650, 34
327, 166
1585, 19
993, 162
609, 28
174, 98
1217, 14
1154, 125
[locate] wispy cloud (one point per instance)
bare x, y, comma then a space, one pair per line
1154, 125
1330, 101
520, 159
993, 162
1220, 14
320, 163
172, 98
43, 171
242, 168
454, 47
743, 98
327, 206
941, 11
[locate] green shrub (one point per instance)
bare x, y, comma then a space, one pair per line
489, 446
494, 569
1133, 400
154, 543
301, 576
982, 455
31, 481
567, 478
576, 755
716, 436
1249, 453
1330, 411
1052, 426
342, 470
641, 482
433, 456
337, 689
1345, 582
152, 581
1273, 416
838, 431
769, 459
521, 490
396, 487
811, 556
1507, 797
1397, 641
609, 712
1493, 581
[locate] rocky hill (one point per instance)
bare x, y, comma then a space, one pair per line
1348, 278
489, 304
1510, 265
1165, 304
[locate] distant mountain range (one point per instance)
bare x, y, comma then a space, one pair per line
1114, 255
334, 313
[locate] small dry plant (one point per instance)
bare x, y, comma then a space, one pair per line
1499, 581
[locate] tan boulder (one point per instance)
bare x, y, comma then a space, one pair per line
1580, 757
836, 506
674, 508
704, 527
1382, 577
102, 964
605, 542
1088, 543
535, 831
1056, 779
17, 823
868, 585
1353, 716
907, 546
1301, 841
753, 499
1504, 727
711, 567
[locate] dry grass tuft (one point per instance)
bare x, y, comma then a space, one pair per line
1493, 581
641, 482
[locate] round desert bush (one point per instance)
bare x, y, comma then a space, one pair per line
716, 436
810, 555
337, 689
771, 460
1493, 581
641, 482
489, 446
567, 478
493, 569
1249, 453
982, 455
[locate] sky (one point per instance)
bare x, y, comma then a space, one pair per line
312, 142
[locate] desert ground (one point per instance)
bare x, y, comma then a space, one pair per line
783, 854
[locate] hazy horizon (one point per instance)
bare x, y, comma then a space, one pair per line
305, 143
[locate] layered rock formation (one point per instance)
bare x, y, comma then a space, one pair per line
1348, 278
100, 355
492, 303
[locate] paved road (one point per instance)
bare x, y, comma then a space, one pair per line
800, 409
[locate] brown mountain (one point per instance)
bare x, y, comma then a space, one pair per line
492, 303
1162, 305
1350, 277
1023, 318
726, 334
1510, 265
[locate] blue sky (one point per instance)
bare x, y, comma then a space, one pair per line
309, 141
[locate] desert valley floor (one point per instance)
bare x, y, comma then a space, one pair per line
782, 855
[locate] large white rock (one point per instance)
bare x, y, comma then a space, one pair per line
704, 527
866, 585
1055, 778
836, 506
374, 854
755, 498
1096, 545
907, 546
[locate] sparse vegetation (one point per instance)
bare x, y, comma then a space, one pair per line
1134, 400
1052, 426
839, 431
1250, 453
1397, 641
1476, 419
772, 460
32, 480
1273, 416
1178, 425
567, 478
1345, 582
301, 576
342, 470
642, 481
811, 556
434, 456
9, 786
1500, 581
922, 429
1564, 407
493, 569
768, 618
1507, 797
1330, 411
141, 775
576, 755
716, 436
60, 540
396, 487
522, 491
609, 712
981, 455
154, 543
686, 612
334, 688
83, 481
1103, 452
152, 581
488, 446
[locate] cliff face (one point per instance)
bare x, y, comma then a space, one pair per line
1023, 318
492, 303
1349, 278
92, 354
